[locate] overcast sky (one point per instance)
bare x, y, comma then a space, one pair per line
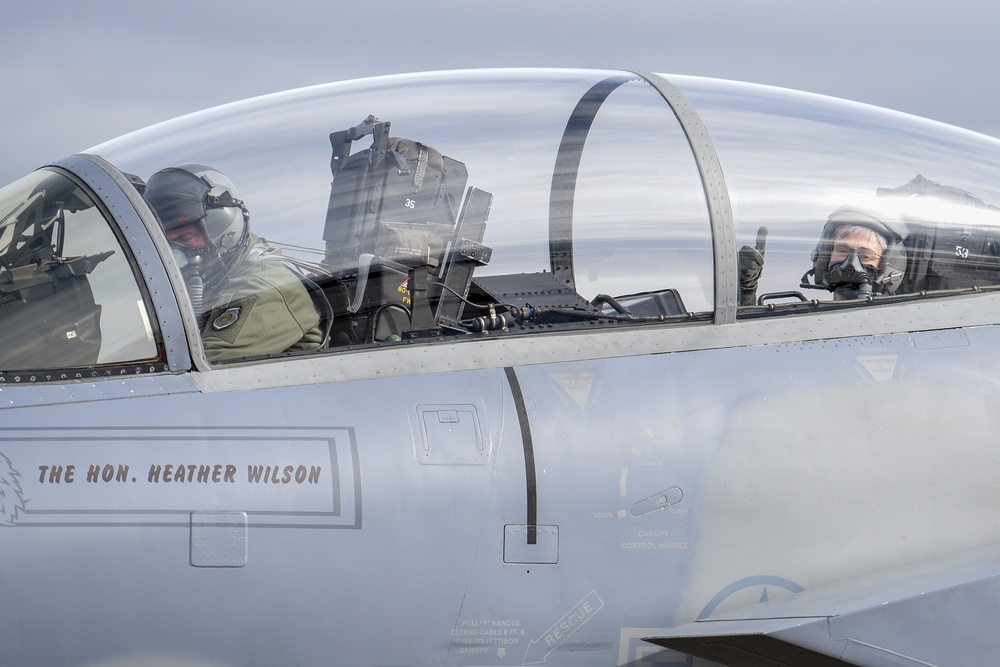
75, 74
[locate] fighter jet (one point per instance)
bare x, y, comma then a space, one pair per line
505, 367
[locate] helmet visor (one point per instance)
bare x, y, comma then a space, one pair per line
178, 197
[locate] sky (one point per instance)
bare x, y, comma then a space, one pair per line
75, 74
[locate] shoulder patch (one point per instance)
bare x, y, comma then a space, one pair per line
224, 326
227, 319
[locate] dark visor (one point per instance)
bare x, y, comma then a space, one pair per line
177, 197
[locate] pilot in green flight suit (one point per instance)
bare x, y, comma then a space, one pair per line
250, 301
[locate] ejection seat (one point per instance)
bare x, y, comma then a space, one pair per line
401, 239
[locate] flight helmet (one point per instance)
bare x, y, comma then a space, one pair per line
200, 195
851, 278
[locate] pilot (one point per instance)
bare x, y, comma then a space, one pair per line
860, 254
249, 300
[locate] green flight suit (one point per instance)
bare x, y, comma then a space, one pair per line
262, 308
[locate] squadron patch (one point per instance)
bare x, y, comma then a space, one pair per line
226, 319
225, 325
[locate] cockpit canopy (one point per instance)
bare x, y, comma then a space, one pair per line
443, 205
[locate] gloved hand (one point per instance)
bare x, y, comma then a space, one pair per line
751, 265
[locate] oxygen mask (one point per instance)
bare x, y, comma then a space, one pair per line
850, 278
190, 251
188, 259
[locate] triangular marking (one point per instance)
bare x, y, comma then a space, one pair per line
576, 385
881, 367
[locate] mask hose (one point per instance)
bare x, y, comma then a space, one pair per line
191, 270
196, 291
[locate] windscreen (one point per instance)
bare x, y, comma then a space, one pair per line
68, 297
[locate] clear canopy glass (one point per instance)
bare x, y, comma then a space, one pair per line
639, 216
792, 159
519, 201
